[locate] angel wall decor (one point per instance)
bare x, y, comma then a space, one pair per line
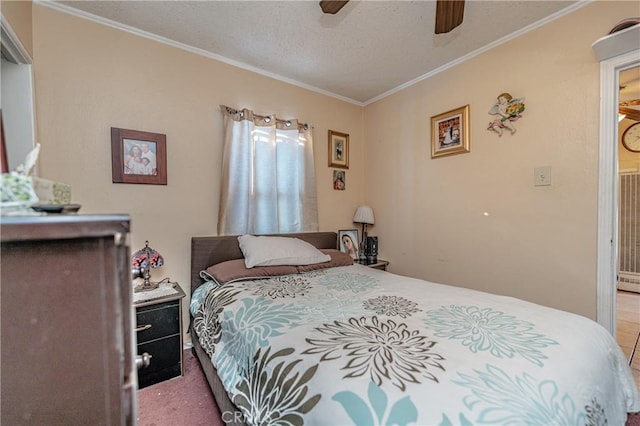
508, 109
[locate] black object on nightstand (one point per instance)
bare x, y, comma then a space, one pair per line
159, 334
371, 250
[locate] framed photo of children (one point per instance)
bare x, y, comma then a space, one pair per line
348, 242
338, 150
450, 132
138, 157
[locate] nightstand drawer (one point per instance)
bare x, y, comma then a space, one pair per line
165, 361
164, 353
148, 379
157, 321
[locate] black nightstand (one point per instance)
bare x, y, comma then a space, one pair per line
380, 264
159, 334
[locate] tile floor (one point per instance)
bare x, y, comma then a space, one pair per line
628, 329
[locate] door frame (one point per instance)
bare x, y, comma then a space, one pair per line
607, 240
18, 115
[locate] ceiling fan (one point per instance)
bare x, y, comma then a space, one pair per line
449, 13
630, 113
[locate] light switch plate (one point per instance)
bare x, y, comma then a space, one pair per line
542, 176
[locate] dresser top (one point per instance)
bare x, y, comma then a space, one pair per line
60, 226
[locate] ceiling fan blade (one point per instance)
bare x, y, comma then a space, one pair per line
631, 113
449, 14
332, 7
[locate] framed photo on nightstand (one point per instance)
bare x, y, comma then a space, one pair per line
348, 242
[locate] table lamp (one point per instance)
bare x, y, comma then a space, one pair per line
142, 262
364, 215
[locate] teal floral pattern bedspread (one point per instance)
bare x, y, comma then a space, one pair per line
358, 346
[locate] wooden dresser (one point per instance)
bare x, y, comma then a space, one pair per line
66, 321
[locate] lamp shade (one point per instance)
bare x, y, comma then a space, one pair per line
147, 258
364, 214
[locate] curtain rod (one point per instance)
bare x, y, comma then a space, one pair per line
266, 118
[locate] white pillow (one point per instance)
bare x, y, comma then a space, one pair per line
272, 251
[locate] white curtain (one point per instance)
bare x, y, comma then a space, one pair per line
268, 175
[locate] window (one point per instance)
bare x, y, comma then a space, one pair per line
268, 177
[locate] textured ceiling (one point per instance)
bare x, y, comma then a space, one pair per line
368, 49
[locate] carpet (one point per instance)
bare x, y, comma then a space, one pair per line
188, 401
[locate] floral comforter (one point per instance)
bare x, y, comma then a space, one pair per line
355, 345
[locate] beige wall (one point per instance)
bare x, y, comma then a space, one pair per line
536, 243
90, 77
18, 14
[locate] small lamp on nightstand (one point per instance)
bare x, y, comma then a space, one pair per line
142, 262
364, 215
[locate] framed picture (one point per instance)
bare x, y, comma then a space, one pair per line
339, 180
450, 132
348, 242
138, 157
338, 150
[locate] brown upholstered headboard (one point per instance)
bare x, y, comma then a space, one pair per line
207, 251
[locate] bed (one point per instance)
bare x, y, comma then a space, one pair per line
349, 344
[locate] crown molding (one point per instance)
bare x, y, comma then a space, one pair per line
12, 47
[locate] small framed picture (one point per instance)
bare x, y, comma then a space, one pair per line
138, 157
450, 132
339, 180
338, 150
348, 242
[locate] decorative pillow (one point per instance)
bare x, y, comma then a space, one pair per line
236, 270
233, 270
272, 251
338, 258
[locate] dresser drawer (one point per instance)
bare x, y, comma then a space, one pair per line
157, 321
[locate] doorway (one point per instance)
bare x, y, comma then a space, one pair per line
611, 65
628, 271
629, 180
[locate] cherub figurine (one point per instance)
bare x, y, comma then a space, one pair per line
508, 110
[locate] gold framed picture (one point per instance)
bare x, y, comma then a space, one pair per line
450, 132
338, 149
